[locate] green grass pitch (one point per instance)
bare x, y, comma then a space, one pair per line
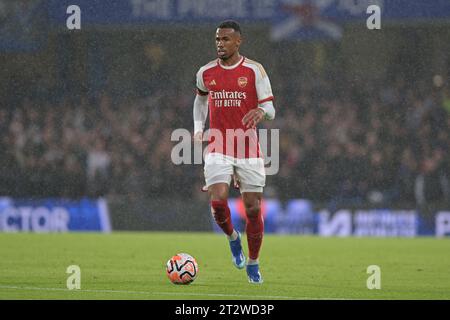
132, 266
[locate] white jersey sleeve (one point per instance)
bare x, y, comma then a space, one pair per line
200, 112
262, 82
263, 87
200, 84
269, 110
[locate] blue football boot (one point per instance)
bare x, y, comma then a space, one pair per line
236, 250
254, 276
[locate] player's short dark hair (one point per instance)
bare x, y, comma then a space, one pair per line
231, 24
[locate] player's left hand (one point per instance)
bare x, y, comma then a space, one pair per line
252, 118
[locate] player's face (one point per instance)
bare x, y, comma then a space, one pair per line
227, 42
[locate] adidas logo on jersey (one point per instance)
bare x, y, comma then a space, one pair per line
212, 83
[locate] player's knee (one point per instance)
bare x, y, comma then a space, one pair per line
218, 192
218, 206
252, 209
219, 197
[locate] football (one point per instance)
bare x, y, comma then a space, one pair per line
182, 269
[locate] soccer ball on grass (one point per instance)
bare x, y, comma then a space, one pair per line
182, 269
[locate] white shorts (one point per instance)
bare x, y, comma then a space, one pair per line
251, 173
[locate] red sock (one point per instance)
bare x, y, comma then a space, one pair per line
255, 232
222, 215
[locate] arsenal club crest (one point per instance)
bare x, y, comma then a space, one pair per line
242, 82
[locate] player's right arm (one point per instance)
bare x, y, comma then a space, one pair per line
200, 107
200, 114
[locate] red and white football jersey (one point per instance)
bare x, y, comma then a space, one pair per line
232, 92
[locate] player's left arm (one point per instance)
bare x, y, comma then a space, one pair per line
265, 109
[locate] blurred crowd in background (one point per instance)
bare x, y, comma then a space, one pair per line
363, 120
385, 143
382, 143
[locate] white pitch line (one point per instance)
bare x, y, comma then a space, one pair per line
167, 293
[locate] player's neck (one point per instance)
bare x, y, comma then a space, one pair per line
231, 61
